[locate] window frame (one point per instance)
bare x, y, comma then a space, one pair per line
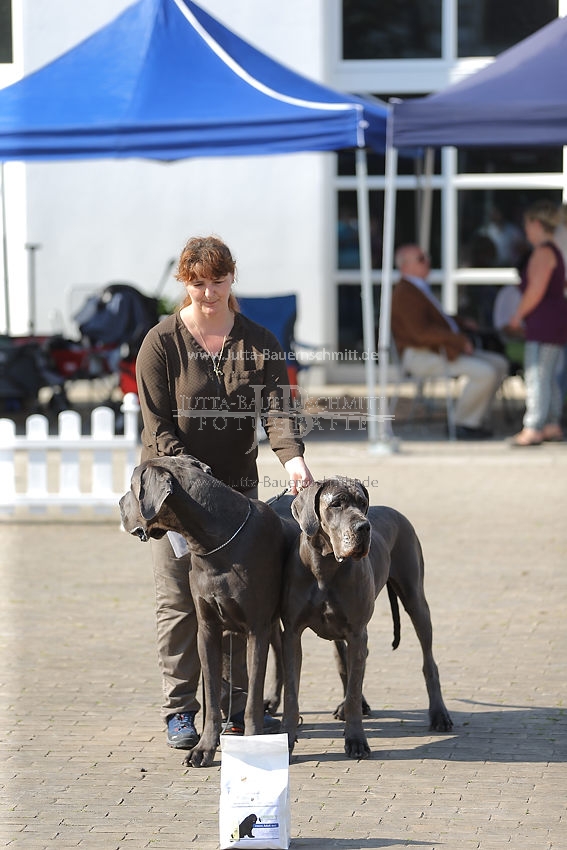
406, 77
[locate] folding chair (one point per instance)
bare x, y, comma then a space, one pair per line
420, 396
278, 313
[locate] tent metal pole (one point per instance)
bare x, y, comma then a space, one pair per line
367, 295
32, 291
385, 429
426, 202
5, 252
449, 296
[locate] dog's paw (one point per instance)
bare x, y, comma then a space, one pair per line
290, 749
271, 705
357, 748
200, 758
339, 712
291, 736
440, 720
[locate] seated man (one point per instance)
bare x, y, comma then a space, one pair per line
424, 333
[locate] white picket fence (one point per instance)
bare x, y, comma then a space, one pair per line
26, 474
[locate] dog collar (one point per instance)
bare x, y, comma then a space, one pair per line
230, 539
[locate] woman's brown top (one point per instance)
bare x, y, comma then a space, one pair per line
188, 409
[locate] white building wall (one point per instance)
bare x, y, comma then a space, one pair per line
103, 221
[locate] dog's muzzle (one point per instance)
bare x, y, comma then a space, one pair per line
356, 543
141, 533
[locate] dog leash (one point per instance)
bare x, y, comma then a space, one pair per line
279, 496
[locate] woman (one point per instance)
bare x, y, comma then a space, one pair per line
543, 313
204, 374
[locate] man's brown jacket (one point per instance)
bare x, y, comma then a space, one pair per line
416, 323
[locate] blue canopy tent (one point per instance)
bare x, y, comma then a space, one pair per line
167, 81
520, 99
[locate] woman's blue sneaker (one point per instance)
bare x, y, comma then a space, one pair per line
235, 725
181, 732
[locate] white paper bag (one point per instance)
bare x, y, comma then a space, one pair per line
254, 806
178, 544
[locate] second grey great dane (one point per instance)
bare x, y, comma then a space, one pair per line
346, 554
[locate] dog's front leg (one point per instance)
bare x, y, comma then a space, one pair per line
356, 745
257, 647
292, 660
209, 642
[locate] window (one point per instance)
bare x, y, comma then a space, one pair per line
391, 29
486, 27
510, 161
491, 225
489, 207
407, 226
347, 230
6, 50
350, 333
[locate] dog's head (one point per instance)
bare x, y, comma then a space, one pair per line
332, 513
143, 509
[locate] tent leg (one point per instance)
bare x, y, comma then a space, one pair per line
427, 201
367, 293
387, 442
31, 249
7, 322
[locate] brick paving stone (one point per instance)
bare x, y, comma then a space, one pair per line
84, 760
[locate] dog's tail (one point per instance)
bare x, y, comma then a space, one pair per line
395, 614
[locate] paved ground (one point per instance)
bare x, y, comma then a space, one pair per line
84, 761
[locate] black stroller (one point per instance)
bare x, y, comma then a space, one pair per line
24, 371
112, 324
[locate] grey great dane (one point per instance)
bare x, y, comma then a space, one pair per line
346, 553
238, 547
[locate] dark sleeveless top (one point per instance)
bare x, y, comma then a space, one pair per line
548, 321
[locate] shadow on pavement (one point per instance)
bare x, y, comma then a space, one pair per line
356, 843
509, 734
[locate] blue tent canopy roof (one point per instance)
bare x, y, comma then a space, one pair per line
518, 100
165, 80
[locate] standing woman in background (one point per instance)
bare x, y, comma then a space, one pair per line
542, 312
199, 373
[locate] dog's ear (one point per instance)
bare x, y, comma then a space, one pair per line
194, 462
151, 486
304, 509
361, 486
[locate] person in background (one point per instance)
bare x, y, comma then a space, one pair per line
205, 359
542, 312
507, 238
560, 239
560, 234
432, 344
